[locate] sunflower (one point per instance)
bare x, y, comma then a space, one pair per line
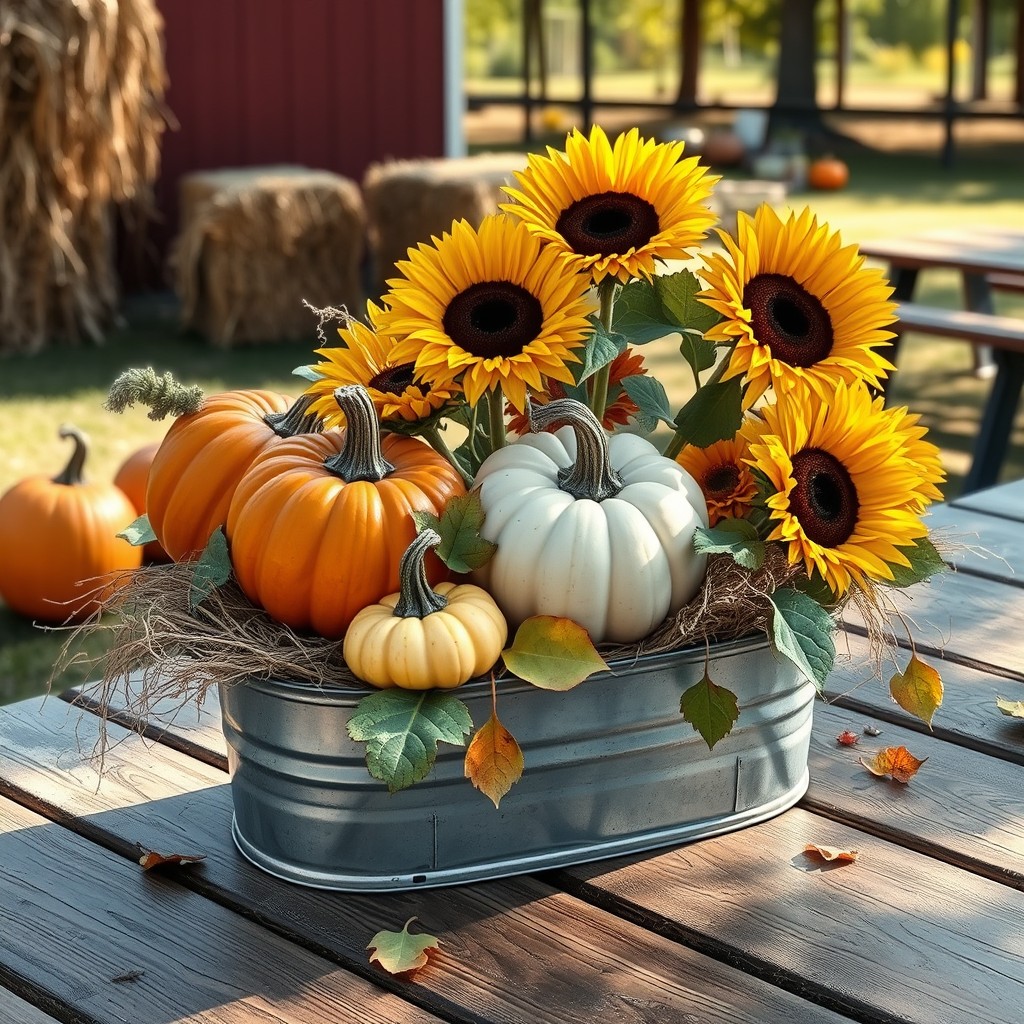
723, 476
798, 304
368, 358
615, 209
923, 454
493, 305
845, 491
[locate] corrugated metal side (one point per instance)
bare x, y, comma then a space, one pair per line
332, 84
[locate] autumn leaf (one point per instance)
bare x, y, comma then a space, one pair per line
897, 762
150, 859
712, 710
917, 690
1013, 708
830, 853
400, 952
553, 653
462, 548
847, 738
494, 762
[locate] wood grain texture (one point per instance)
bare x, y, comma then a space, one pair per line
1006, 500
14, 1010
979, 544
95, 933
894, 935
516, 950
962, 806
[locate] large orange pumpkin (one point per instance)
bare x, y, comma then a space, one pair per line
828, 173
318, 524
202, 458
132, 476
58, 538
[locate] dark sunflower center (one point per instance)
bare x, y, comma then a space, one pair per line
721, 481
393, 380
824, 499
609, 223
788, 319
493, 318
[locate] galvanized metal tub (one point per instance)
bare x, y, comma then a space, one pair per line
611, 768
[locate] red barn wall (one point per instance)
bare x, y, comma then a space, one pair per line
331, 84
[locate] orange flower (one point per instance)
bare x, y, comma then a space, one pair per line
723, 476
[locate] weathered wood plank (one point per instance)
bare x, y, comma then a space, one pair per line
1006, 500
980, 544
962, 806
92, 932
893, 936
14, 1010
514, 950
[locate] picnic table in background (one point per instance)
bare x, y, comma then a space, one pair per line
924, 926
989, 258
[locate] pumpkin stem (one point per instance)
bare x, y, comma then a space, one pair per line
297, 420
591, 475
417, 598
164, 395
361, 458
71, 474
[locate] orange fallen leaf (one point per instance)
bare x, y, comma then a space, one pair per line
402, 953
494, 761
150, 859
831, 853
897, 762
847, 738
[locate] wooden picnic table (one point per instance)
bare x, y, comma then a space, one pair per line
926, 926
987, 257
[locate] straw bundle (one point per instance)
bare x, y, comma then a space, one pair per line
408, 201
81, 88
256, 242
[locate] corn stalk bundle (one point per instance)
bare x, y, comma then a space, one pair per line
81, 118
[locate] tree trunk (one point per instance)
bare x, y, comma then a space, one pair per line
796, 99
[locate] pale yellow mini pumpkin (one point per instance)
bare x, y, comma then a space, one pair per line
423, 638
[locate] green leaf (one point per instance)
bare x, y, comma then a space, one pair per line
917, 690
139, 532
553, 653
735, 537
402, 728
601, 348
462, 548
677, 294
713, 414
712, 710
700, 354
639, 315
307, 373
400, 952
802, 631
1010, 708
925, 561
212, 569
650, 397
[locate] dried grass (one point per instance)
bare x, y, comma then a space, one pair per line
81, 94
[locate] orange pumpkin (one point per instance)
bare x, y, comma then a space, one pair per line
318, 524
132, 476
202, 458
58, 536
828, 173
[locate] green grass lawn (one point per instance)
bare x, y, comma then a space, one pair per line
888, 194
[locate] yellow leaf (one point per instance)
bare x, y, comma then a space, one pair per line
1013, 708
494, 762
897, 762
400, 952
917, 690
553, 653
831, 853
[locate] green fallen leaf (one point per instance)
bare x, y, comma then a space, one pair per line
402, 728
1012, 708
918, 689
139, 532
212, 569
736, 537
553, 653
802, 631
711, 709
400, 952
462, 548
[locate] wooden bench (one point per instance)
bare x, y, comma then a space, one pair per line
1004, 335
1006, 282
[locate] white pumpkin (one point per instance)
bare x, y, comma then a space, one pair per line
590, 528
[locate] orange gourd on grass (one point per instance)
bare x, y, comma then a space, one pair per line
58, 539
318, 523
828, 173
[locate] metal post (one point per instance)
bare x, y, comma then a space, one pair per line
586, 66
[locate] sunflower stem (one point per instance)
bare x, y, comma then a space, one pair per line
599, 381
678, 441
433, 437
496, 411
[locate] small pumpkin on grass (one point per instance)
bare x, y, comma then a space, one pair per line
58, 538
132, 476
828, 173
318, 523
590, 528
422, 638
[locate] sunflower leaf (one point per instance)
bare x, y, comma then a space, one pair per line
462, 548
925, 561
307, 373
639, 314
713, 414
712, 710
649, 395
601, 348
402, 728
735, 537
700, 354
802, 631
212, 569
677, 295
138, 532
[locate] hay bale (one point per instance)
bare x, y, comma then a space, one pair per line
408, 201
81, 94
256, 242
